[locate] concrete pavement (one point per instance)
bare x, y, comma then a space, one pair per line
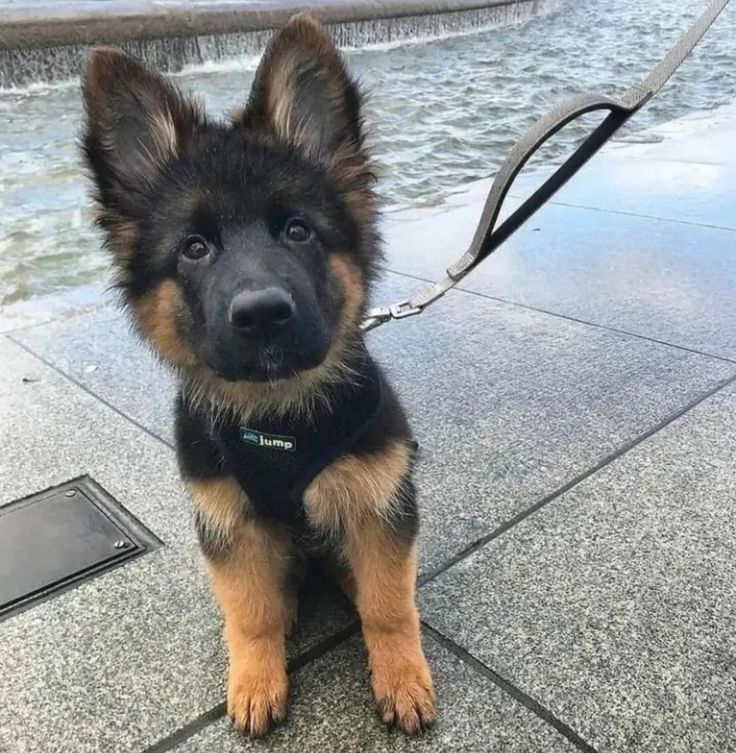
575, 403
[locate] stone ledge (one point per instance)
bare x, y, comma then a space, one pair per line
89, 21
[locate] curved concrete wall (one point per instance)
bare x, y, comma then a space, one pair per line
47, 42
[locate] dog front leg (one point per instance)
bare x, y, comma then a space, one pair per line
248, 562
384, 571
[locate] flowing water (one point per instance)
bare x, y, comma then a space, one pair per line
442, 113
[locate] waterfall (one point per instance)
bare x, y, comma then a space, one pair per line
23, 67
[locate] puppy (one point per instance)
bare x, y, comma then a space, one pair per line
244, 252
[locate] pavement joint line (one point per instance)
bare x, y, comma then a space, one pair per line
204, 720
607, 460
63, 316
616, 330
27, 327
190, 729
518, 695
626, 213
89, 391
567, 317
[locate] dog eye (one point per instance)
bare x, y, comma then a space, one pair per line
195, 248
297, 231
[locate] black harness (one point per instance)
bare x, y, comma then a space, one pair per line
275, 459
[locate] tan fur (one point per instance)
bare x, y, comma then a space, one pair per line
250, 588
384, 572
281, 96
300, 393
301, 46
350, 278
222, 506
356, 489
151, 156
163, 130
302, 39
157, 312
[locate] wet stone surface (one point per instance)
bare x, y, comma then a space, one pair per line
575, 408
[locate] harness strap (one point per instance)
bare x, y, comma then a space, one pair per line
374, 401
487, 236
275, 458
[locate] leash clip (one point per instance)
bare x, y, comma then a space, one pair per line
378, 316
404, 309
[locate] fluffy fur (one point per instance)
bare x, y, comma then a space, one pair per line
244, 252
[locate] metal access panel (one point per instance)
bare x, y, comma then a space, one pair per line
62, 536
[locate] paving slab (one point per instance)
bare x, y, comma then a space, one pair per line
332, 710
614, 606
684, 191
35, 311
100, 351
659, 279
508, 404
705, 136
131, 655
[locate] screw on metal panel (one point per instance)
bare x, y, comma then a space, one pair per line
70, 492
120, 544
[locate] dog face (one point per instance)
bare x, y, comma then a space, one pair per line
243, 249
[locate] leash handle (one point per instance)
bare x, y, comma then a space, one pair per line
487, 237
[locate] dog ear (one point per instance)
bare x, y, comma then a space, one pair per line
135, 123
303, 95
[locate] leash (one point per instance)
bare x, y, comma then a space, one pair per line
487, 236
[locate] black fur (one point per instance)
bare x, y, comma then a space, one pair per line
165, 174
245, 252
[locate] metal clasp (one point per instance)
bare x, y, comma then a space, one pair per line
404, 309
378, 316
375, 318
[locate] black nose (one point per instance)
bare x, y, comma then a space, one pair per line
257, 312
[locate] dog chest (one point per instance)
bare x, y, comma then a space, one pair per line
274, 459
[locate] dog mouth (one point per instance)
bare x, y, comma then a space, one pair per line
269, 364
273, 364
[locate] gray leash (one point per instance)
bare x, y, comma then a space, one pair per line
488, 237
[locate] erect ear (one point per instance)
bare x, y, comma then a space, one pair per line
136, 122
303, 95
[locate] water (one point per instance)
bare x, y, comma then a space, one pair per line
443, 113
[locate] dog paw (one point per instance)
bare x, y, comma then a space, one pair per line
404, 695
256, 702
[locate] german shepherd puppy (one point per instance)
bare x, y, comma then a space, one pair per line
244, 252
